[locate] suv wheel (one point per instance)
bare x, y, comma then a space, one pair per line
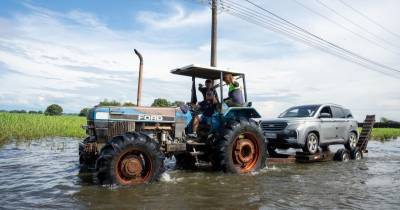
356, 154
351, 143
342, 155
311, 144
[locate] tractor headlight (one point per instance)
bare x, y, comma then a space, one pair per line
102, 116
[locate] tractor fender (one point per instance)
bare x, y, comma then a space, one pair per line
241, 112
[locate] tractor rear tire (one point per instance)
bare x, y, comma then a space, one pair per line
241, 149
130, 159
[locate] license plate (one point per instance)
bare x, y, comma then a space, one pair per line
270, 135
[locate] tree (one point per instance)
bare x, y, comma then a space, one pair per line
109, 103
384, 120
53, 109
128, 103
84, 112
161, 102
177, 103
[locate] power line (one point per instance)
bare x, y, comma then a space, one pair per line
345, 57
370, 19
322, 39
354, 23
283, 26
342, 26
250, 16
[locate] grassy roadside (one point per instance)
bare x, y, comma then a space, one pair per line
34, 126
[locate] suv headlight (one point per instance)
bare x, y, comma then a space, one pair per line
295, 125
292, 134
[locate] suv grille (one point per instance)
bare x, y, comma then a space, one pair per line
273, 126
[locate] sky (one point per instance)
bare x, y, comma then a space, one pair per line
78, 52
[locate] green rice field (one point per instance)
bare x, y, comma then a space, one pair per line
15, 126
35, 126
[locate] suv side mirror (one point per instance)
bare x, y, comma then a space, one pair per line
325, 115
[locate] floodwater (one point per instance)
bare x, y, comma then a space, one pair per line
44, 174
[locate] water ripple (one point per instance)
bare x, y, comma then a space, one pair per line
44, 174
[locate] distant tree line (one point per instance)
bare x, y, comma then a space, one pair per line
51, 110
158, 102
384, 123
161, 102
22, 111
56, 110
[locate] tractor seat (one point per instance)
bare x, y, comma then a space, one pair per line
247, 104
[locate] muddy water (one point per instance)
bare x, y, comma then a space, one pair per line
44, 174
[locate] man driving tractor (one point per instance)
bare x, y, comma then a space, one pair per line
207, 109
235, 98
209, 86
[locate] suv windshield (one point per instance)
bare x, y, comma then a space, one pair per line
300, 111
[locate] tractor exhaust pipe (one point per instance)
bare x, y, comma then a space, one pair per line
139, 89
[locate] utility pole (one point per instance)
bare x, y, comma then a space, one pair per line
213, 62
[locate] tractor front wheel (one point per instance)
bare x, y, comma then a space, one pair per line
87, 155
241, 149
130, 159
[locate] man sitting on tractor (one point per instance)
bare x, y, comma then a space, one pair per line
207, 109
235, 97
209, 86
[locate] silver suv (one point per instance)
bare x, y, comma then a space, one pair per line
310, 127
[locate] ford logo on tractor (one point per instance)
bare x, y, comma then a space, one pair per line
150, 117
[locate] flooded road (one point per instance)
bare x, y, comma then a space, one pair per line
44, 174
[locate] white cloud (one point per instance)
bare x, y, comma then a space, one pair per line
178, 17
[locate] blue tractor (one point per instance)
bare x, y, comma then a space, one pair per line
128, 145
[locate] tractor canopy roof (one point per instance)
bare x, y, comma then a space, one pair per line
202, 72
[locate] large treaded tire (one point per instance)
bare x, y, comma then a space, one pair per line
234, 146
130, 159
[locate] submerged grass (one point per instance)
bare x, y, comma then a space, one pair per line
34, 126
